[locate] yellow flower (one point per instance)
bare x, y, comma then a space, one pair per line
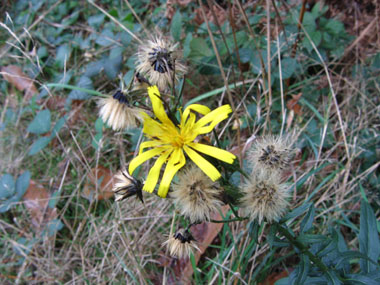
169, 142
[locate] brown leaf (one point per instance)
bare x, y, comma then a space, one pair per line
275, 276
293, 105
36, 200
99, 184
14, 75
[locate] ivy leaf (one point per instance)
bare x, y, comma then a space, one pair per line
41, 123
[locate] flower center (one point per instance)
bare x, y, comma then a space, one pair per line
178, 141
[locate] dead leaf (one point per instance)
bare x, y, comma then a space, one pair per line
36, 200
275, 276
292, 104
99, 184
15, 76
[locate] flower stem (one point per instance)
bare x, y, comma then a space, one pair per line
228, 221
303, 248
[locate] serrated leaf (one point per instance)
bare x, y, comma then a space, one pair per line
176, 26
307, 222
288, 66
62, 55
94, 68
84, 82
113, 63
38, 145
106, 38
58, 126
369, 243
199, 48
41, 123
7, 186
334, 27
22, 184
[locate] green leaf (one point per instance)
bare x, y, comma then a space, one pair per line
113, 63
63, 55
39, 144
7, 204
369, 243
41, 123
176, 26
99, 125
307, 222
199, 48
288, 66
22, 184
58, 126
7, 186
54, 226
334, 27
84, 82
296, 212
96, 20
106, 38
186, 45
315, 36
302, 270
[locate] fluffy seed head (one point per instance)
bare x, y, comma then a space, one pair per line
264, 196
181, 244
156, 59
271, 152
127, 186
115, 112
195, 194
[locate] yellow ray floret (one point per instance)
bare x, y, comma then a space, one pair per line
170, 142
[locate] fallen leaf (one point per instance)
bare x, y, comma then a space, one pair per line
36, 201
99, 184
275, 276
293, 105
15, 76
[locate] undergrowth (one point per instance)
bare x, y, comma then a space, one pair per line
324, 86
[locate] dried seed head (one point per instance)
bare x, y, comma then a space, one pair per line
181, 244
196, 195
115, 112
271, 152
264, 196
127, 186
156, 59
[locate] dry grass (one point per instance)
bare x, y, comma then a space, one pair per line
103, 242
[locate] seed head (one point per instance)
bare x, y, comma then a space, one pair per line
196, 195
156, 59
181, 244
271, 152
264, 196
127, 186
116, 113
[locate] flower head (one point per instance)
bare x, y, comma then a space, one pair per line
271, 152
156, 59
170, 142
115, 112
181, 244
127, 186
196, 195
264, 196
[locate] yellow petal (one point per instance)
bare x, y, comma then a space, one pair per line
176, 161
195, 107
154, 172
147, 144
203, 164
218, 153
141, 158
158, 107
209, 121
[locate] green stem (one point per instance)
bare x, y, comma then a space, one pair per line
228, 221
302, 248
